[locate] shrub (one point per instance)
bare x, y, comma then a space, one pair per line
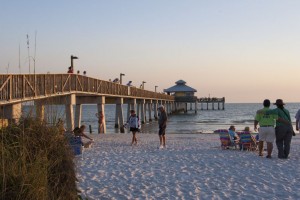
36, 162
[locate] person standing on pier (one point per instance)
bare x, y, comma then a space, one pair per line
70, 70
134, 125
162, 122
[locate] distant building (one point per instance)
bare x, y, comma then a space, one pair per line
183, 93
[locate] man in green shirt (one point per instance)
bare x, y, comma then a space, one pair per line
266, 121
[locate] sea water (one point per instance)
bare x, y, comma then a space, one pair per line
204, 121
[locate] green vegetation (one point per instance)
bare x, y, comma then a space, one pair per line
36, 163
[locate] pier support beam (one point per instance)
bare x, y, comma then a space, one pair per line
143, 117
196, 106
101, 109
149, 110
138, 110
169, 107
70, 101
12, 112
119, 120
155, 109
39, 110
131, 106
145, 111
78, 112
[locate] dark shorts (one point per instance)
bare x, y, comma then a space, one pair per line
162, 130
133, 129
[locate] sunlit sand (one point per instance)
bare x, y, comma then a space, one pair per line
191, 167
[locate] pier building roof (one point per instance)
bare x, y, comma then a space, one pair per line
180, 87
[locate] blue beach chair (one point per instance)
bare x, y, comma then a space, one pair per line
247, 141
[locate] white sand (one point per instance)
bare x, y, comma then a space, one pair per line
191, 167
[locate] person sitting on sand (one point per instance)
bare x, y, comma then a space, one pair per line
234, 138
253, 139
79, 132
134, 125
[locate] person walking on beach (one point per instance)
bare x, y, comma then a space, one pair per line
284, 130
134, 125
162, 122
266, 131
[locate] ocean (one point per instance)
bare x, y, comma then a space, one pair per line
205, 121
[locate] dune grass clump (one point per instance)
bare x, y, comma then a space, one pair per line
36, 163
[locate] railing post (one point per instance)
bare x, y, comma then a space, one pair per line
35, 92
45, 89
10, 87
23, 87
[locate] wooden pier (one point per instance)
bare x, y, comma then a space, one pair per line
207, 100
73, 89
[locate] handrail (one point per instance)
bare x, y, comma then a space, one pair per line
18, 87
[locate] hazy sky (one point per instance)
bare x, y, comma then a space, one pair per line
245, 50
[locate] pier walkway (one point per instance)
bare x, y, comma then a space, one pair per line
73, 89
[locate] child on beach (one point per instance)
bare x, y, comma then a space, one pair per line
134, 125
79, 132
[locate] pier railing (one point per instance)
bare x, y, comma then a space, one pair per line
185, 98
211, 99
14, 87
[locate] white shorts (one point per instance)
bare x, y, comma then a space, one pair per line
267, 134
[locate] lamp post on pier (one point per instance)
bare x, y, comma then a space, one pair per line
143, 84
72, 58
121, 77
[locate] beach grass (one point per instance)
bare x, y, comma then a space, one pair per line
36, 162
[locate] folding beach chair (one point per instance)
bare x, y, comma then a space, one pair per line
247, 141
226, 143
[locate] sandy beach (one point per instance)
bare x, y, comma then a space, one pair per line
191, 167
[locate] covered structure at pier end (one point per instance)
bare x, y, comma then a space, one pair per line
183, 95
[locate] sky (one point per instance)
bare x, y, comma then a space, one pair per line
243, 50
